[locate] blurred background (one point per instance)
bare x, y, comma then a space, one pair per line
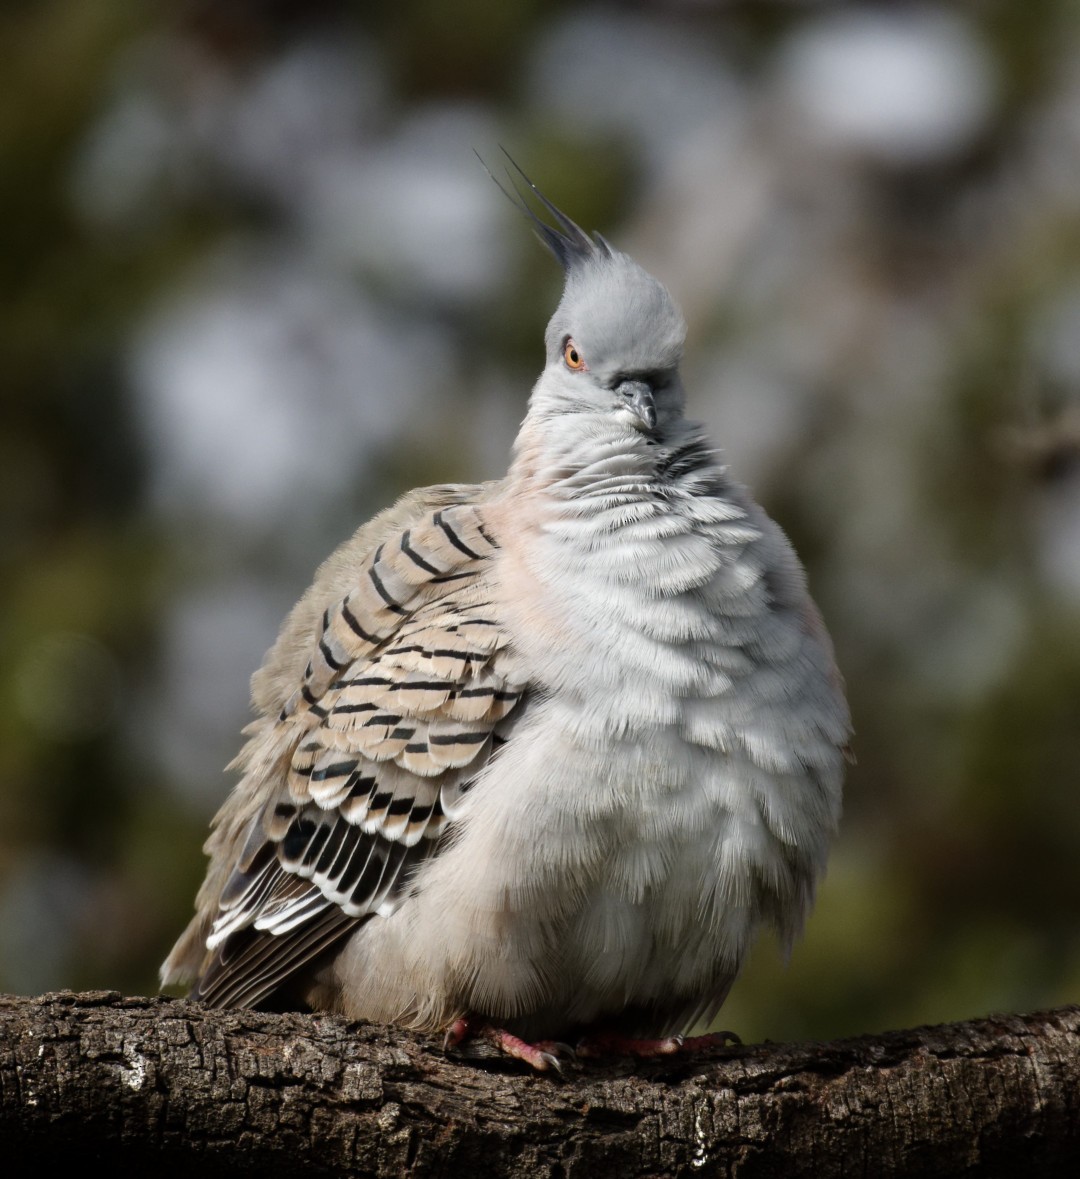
254, 284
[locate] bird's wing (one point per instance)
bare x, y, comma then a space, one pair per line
410, 682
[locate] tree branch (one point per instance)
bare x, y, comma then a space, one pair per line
168, 1087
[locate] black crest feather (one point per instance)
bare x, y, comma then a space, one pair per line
570, 244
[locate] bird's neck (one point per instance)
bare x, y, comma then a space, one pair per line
578, 478
603, 542
562, 457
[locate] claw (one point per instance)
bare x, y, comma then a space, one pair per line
549, 1060
537, 1055
488, 1041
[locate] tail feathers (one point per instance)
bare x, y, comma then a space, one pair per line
187, 957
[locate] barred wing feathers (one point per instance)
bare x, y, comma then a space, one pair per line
410, 684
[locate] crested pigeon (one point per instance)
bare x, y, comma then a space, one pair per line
543, 754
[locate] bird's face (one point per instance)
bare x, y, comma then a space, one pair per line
613, 347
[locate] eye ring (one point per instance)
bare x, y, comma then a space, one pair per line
572, 358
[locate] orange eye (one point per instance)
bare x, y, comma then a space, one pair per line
573, 357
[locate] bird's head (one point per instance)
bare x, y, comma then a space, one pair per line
614, 343
616, 338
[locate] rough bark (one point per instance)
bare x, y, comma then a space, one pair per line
164, 1087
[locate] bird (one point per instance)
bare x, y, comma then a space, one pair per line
536, 759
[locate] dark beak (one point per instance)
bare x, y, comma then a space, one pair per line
639, 397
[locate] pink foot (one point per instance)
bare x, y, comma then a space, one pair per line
614, 1044
486, 1040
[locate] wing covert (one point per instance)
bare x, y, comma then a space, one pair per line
410, 686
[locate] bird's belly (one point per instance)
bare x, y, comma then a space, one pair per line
666, 910
618, 853
592, 879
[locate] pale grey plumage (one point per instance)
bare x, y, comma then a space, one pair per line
548, 750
